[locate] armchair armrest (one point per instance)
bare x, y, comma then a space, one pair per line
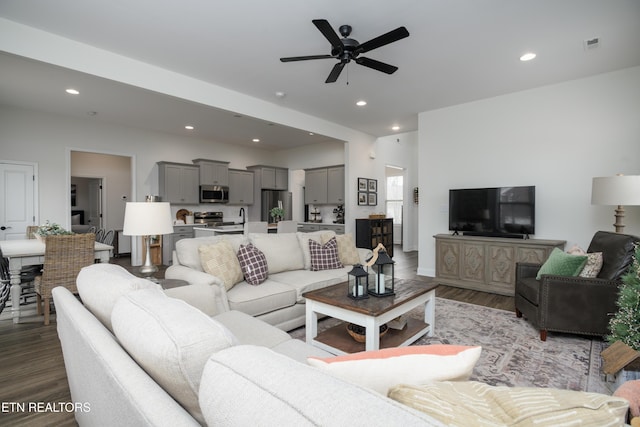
526, 269
577, 304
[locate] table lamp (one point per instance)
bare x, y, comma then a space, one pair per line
147, 219
617, 191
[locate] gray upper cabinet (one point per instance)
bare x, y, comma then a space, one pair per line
213, 172
270, 177
178, 182
324, 185
240, 187
315, 186
335, 185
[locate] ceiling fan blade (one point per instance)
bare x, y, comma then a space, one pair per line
304, 58
329, 33
390, 37
377, 65
335, 72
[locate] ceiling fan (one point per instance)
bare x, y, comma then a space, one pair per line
347, 49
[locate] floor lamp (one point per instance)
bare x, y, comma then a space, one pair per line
619, 190
147, 219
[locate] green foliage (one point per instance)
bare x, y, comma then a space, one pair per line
277, 213
625, 324
48, 229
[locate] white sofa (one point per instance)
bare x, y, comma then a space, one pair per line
166, 363
278, 301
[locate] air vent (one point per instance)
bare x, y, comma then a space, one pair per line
591, 43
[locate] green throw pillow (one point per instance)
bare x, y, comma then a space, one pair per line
562, 264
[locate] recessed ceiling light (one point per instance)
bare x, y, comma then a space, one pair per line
71, 91
527, 56
256, 140
361, 103
396, 127
189, 127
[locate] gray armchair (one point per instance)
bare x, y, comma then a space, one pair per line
576, 305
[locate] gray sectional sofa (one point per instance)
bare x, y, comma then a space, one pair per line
278, 301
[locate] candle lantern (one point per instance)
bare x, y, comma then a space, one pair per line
358, 282
383, 275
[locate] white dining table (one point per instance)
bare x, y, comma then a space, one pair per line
25, 252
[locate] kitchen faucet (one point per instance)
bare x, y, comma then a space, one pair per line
242, 215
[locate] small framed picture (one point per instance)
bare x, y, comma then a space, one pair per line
372, 185
373, 199
362, 198
362, 184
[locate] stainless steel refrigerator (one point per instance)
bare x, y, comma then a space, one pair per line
270, 199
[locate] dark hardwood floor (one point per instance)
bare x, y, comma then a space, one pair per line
32, 367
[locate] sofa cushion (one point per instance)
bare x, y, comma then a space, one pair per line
317, 236
347, 251
304, 280
282, 250
253, 264
248, 330
257, 300
254, 386
220, 260
562, 264
170, 340
187, 249
100, 285
471, 403
383, 369
325, 256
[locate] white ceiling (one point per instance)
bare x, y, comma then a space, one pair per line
458, 51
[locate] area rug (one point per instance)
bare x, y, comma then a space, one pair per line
512, 353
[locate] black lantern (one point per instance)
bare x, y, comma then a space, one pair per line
358, 283
383, 275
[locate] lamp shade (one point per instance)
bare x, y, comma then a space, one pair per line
147, 219
616, 190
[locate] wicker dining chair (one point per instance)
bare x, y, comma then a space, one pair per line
31, 229
64, 256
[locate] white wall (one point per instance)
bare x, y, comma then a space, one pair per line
556, 137
401, 150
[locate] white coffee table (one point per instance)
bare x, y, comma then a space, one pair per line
371, 313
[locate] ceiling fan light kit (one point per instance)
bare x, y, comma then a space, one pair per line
346, 49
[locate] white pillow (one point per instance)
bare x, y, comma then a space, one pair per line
321, 237
382, 369
100, 286
170, 340
187, 249
347, 251
281, 250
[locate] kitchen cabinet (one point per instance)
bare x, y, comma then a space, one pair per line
324, 186
240, 187
270, 177
178, 183
213, 172
307, 227
335, 185
315, 186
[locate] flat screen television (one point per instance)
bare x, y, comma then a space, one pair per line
496, 212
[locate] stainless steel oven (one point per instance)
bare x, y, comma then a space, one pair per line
214, 194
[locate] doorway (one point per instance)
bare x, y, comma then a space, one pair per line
395, 200
18, 196
86, 202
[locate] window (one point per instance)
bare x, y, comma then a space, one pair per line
394, 198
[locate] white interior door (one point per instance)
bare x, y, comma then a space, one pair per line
17, 184
95, 203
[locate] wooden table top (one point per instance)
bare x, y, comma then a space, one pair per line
405, 290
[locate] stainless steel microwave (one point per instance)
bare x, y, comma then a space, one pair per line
214, 194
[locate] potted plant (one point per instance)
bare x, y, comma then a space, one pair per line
50, 229
277, 214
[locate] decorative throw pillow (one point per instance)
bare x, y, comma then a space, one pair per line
324, 257
321, 236
562, 264
220, 260
594, 261
253, 264
347, 251
420, 364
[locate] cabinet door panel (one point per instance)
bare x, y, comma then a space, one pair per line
533, 255
335, 185
502, 265
448, 260
473, 262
